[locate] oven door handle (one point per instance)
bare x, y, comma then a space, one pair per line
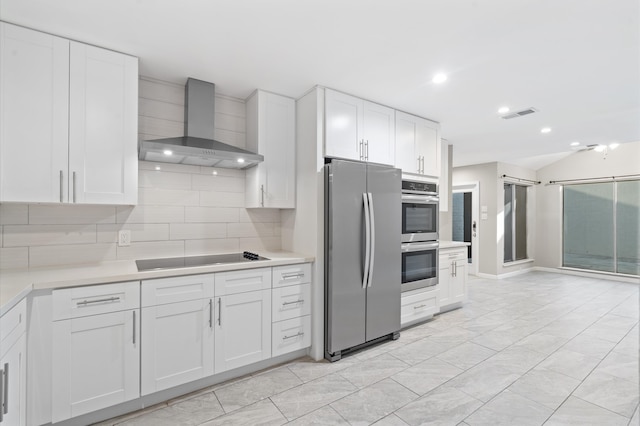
408, 247
367, 240
420, 199
372, 241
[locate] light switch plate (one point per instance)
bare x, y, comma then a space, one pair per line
124, 238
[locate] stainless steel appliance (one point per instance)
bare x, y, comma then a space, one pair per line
420, 210
191, 261
362, 249
419, 265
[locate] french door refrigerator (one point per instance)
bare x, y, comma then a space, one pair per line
362, 255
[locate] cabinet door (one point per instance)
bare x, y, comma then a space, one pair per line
458, 285
103, 118
34, 111
96, 363
379, 133
177, 344
428, 146
13, 381
343, 126
444, 281
406, 132
243, 329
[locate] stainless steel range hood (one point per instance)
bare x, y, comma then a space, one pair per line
198, 146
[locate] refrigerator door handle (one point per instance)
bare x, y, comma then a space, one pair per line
367, 240
373, 239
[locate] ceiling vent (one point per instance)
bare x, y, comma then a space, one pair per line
520, 113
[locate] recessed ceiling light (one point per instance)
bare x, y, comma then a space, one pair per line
545, 130
240, 160
167, 152
614, 145
157, 167
215, 173
575, 143
439, 78
599, 148
503, 110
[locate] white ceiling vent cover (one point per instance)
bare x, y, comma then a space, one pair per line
520, 113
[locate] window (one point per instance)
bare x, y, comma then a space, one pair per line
601, 227
515, 222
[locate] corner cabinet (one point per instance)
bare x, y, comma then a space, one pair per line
271, 132
13, 363
68, 121
356, 129
417, 145
452, 277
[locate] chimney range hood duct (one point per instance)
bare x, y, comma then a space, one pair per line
198, 146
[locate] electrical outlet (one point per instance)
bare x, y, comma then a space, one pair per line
124, 238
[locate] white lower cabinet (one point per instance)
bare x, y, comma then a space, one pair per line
419, 305
96, 362
177, 346
13, 363
291, 335
452, 277
242, 329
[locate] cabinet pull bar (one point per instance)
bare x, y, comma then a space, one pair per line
134, 327
361, 150
293, 302
419, 306
220, 311
300, 333
210, 313
5, 396
2, 391
74, 187
107, 299
61, 185
296, 275
367, 150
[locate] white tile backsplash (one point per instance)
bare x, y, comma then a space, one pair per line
182, 209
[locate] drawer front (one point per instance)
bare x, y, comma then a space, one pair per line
13, 324
291, 274
419, 306
177, 289
291, 302
97, 299
291, 335
234, 282
446, 256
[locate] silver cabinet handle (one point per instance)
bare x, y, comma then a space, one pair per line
5, 396
361, 150
134, 327
366, 145
74, 187
107, 299
300, 333
262, 195
293, 303
418, 164
294, 275
220, 311
210, 313
61, 186
373, 240
2, 392
419, 306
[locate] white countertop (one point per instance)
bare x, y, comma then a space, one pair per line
15, 284
452, 244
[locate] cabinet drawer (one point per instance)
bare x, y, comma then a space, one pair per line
98, 299
13, 324
234, 282
291, 335
291, 302
291, 274
417, 306
446, 256
177, 289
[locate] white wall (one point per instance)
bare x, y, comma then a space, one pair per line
182, 210
625, 160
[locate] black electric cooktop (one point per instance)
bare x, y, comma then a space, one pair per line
190, 261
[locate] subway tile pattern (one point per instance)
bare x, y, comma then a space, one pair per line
438, 374
182, 210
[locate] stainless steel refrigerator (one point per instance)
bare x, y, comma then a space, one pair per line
362, 255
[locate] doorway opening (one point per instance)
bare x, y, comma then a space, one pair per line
465, 220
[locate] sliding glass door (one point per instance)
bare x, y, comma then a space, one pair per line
601, 226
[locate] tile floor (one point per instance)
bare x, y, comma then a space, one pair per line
539, 348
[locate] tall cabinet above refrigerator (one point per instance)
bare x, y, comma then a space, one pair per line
362, 263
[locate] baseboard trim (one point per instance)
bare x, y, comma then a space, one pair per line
588, 274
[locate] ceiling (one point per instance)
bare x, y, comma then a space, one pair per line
576, 61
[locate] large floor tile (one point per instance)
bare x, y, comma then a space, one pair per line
390, 420
516, 359
306, 398
193, 411
483, 382
443, 406
427, 375
611, 327
620, 365
373, 370
307, 369
373, 402
466, 355
578, 412
610, 392
545, 387
325, 416
590, 345
262, 413
630, 344
420, 350
542, 342
510, 409
256, 388
570, 363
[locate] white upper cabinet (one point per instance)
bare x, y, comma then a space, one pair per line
271, 129
417, 145
68, 120
357, 129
